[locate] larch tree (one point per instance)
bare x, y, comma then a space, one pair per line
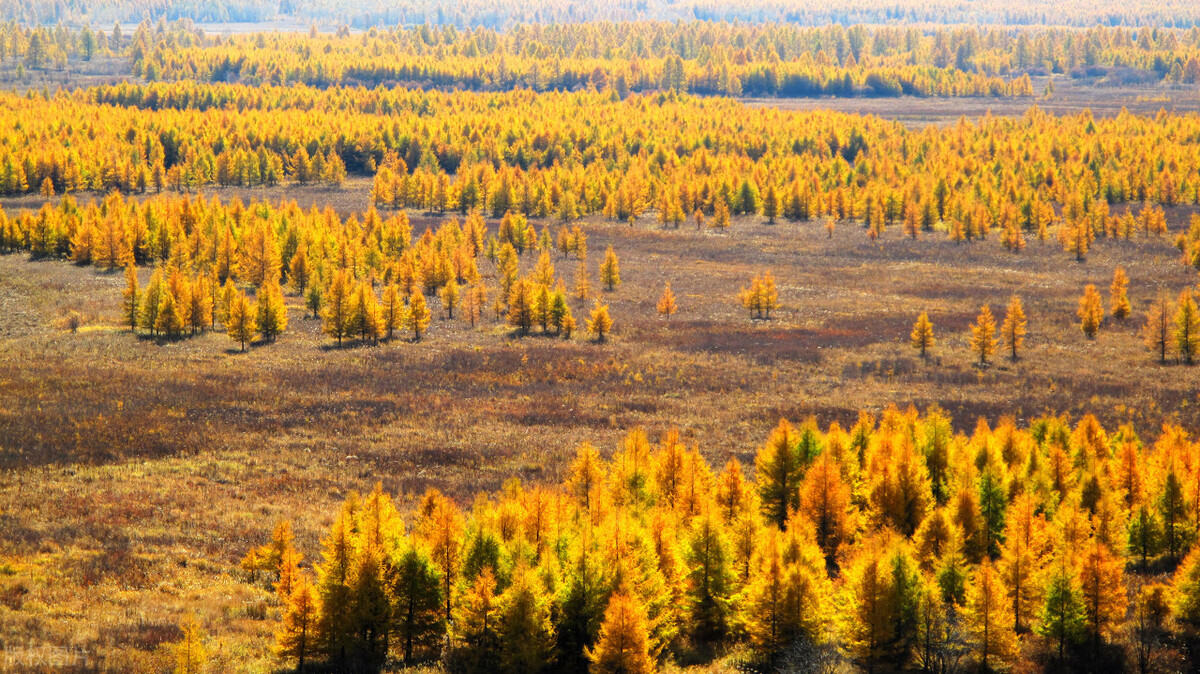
240, 324
666, 303
526, 632
1187, 328
1157, 334
364, 318
825, 501
450, 295
417, 598
1012, 331
130, 306
271, 317
1062, 618
983, 335
1102, 583
599, 323
708, 583
521, 311
1119, 295
191, 655
583, 286
610, 270
392, 310
336, 312
418, 315
922, 335
779, 470
478, 624
152, 302
990, 619
294, 640
623, 645
1185, 591
298, 271
1090, 312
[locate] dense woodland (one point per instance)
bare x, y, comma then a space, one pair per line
505, 13
895, 543
685, 159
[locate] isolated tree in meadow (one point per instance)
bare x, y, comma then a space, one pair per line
1187, 327
599, 324
336, 312
1091, 311
760, 297
1012, 331
583, 286
922, 335
474, 300
623, 645
418, 315
1158, 333
241, 321
610, 270
983, 334
271, 317
191, 655
666, 303
131, 297
1119, 295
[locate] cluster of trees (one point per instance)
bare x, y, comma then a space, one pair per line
895, 543
697, 57
205, 251
1169, 330
509, 13
540, 156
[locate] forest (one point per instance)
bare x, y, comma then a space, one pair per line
761, 336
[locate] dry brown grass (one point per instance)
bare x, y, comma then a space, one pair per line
136, 474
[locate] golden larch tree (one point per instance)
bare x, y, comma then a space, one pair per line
599, 324
1012, 331
922, 335
983, 335
241, 321
1090, 312
666, 303
1119, 295
623, 645
1187, 327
